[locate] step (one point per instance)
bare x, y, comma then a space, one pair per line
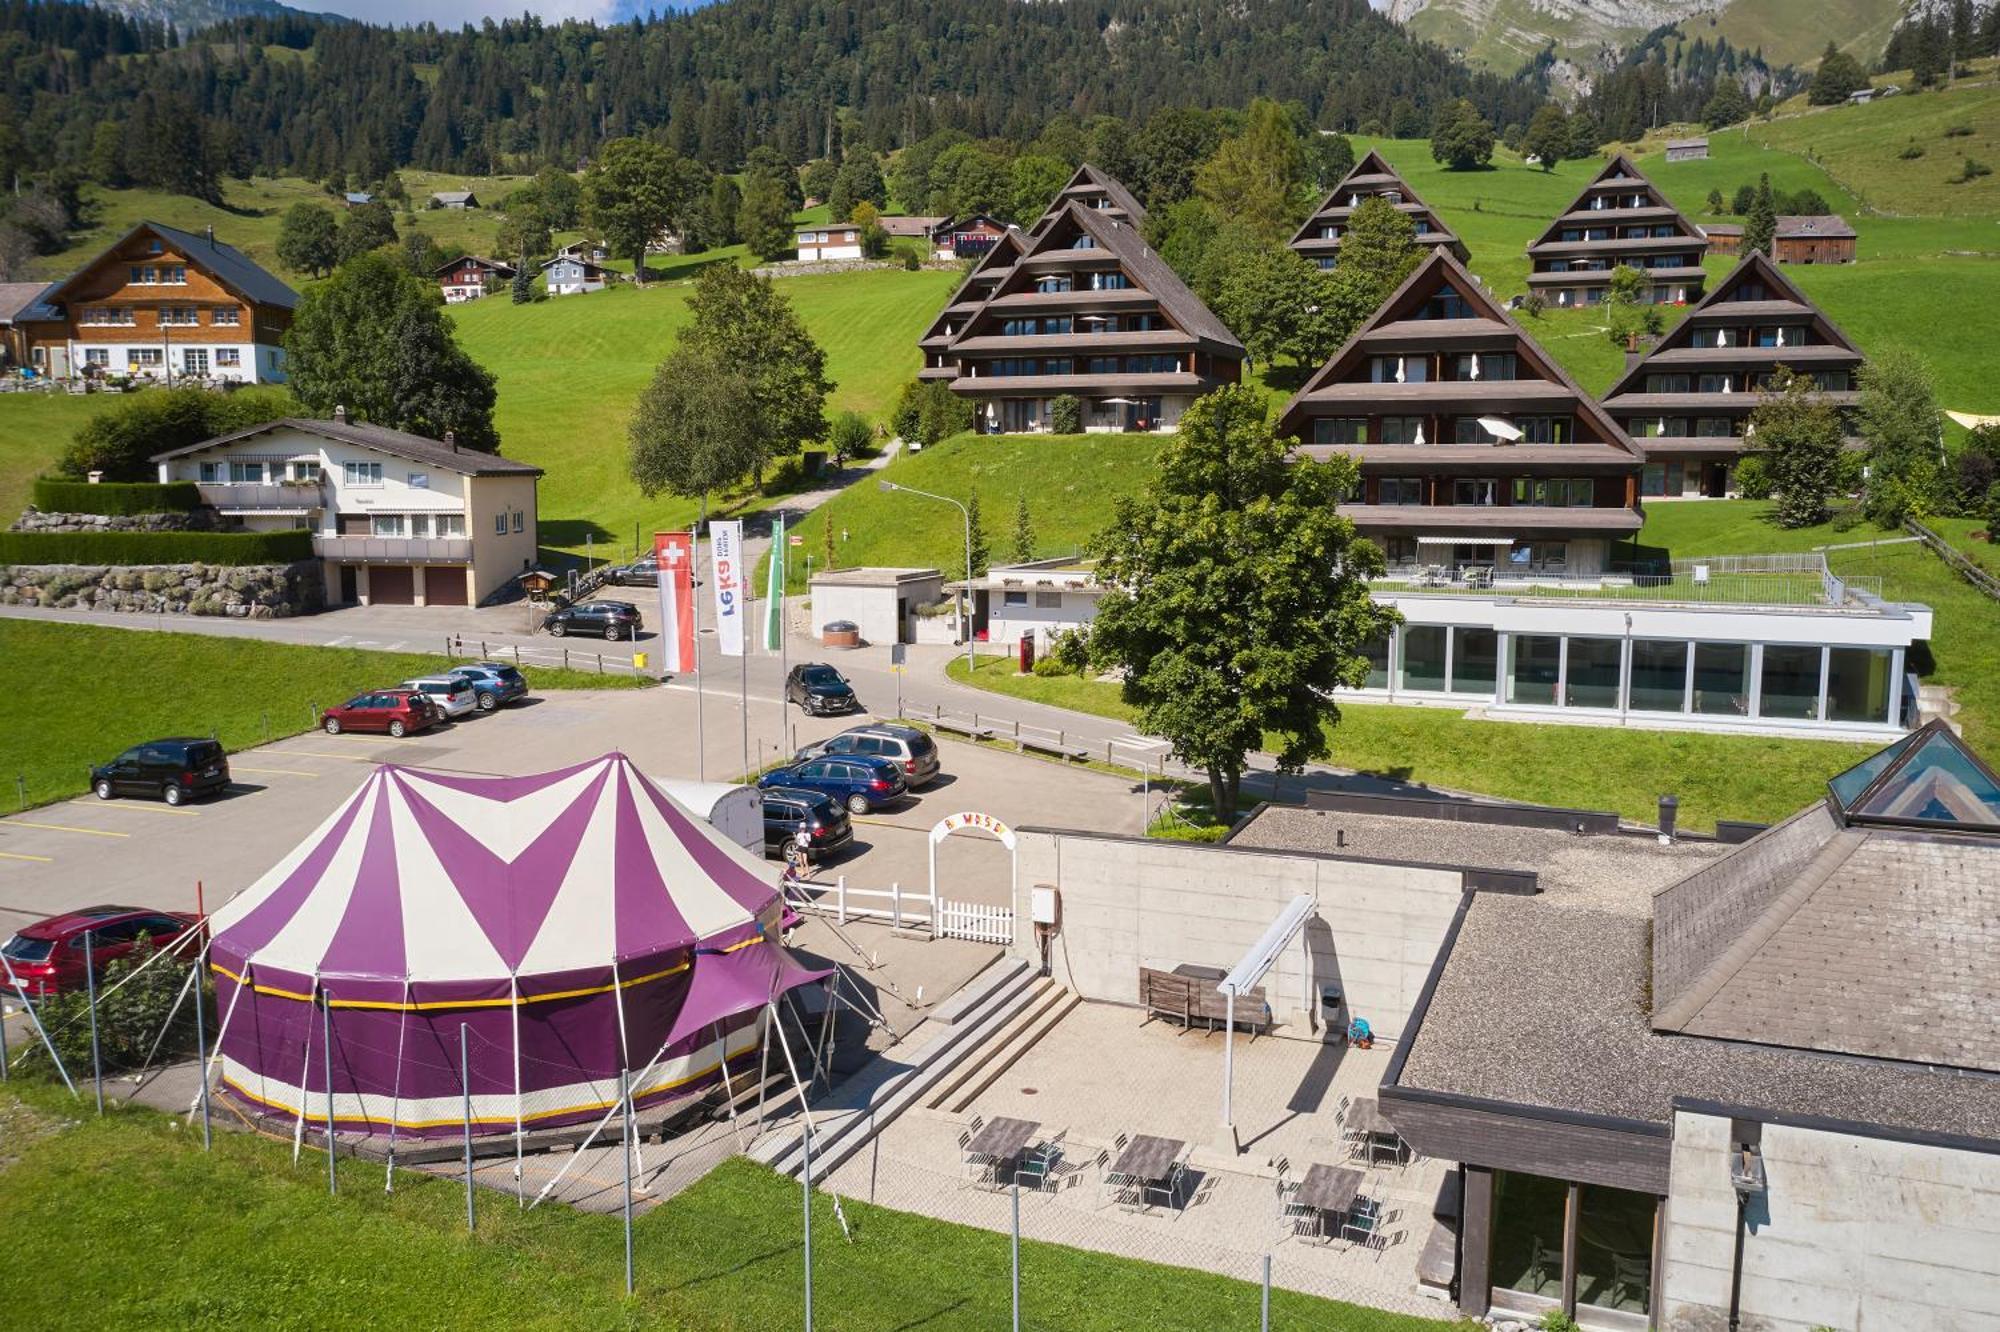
1041, 1022
963, 1004
1043, 995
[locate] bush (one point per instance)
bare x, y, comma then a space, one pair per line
1066, 414
1071, 648
228, 548
118, 498
1972, 170
912, 261
1049, 666
1958, 132
1534, 304
849, 437
1911, 152
121, 442
1752, 478
128, 1021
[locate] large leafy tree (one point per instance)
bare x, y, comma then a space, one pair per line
1170, 148
1548, 137
748, 324
694, 429
764, 221
1838, 75
369, 226
1898, 419
1461, 138
1259, 178
121, 441
1238, 595
1034, 180
374, 338
308, 239
636, 190
1280, 304
1797, 439
1378, 250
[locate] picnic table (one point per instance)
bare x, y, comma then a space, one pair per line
1146, 1166
1329, 1191
1001, 1141
1366, 1122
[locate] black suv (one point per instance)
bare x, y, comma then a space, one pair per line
606, 619
788, 809
820, 690
642, 572
176, 770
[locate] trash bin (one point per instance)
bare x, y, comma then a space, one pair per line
840, 634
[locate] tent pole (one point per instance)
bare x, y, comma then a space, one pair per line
208, 1068
305, 1076
728, 1087
763, 1075
29, 1006
200, 1048
326, 1060
465, 1084
624, 1060
805, 1141
520, 1147
625, 1102
821, 1060
396, 1093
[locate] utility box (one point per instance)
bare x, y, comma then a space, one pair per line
1042, 905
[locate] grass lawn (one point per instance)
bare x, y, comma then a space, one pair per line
1585, 767
571, 368
240, 1238
35, 428
143, 685
1071, 481
1970, 538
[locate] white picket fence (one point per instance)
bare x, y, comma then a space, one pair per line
974, 921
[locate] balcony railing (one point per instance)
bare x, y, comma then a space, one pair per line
1792, 587
238, 495
394, 550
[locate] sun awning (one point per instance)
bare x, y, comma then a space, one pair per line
1264, 953
1464, 541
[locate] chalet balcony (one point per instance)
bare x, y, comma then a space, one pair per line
256, 496
394, 550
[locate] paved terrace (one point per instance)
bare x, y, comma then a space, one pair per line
1100, 1073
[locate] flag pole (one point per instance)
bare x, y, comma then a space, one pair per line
743, 664
700, 742
775, 624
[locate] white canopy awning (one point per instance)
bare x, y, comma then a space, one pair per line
1464, 541
1264, 953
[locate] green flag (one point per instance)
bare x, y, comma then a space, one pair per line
774, 589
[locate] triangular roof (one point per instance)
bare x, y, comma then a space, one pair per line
395, 443
504, 270
1008, 247
1373, 175
1435, 272
1625, 175
225, 263
1150, 273
1929, 778
1756, 264
1088, 176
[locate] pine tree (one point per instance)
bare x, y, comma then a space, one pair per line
1760, 226
522, 289
1024, 530
980, 552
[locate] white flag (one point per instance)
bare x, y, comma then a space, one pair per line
725, 545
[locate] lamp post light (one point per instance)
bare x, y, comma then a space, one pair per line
965, 588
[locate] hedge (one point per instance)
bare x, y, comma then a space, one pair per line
118, 498
138, 548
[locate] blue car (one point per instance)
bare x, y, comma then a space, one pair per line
859, 781
493, 683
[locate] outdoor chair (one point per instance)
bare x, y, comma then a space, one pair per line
1545, 1265
1066, 1174
1631, 1279
1167, 1190
1037, 1165
1358, 1226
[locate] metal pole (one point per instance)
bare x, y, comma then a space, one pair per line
1228, 1049
966, 596
625, 1094
326, 1062
90, 982
1016, 1247
3, 1046
743, 667
806, 1137
34, 1020
700, 743
784, 665
200, 1049
1265, 1324
465, 1082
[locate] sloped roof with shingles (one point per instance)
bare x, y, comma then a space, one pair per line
225, 263
395, 443
22, 301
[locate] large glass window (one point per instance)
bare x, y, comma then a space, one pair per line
1400, 490
1593, 672
1789, 685
1858, 684
1722, 679
1528, 1215
1475, 658
1377, 652
1423, 657
1535, 664
1340, 430
1402, 430
1659, 675
1614, 1248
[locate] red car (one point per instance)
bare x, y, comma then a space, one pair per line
47, 957
397, 711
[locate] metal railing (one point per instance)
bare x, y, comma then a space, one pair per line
1957, 561
262, 494
1802, 581
416, 550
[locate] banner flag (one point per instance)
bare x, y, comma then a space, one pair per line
774, 590
725, 544
673, 553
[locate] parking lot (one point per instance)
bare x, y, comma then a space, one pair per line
84, 851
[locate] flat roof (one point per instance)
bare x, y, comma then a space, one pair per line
876, 577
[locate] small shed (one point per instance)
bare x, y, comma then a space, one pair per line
1723, 237
1687, 150
537, 582
1826, 239
454, 199
883, 602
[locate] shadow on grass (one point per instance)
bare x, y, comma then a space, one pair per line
572, 532
923, 1320
777, 1251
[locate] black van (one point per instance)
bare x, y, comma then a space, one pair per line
176, 770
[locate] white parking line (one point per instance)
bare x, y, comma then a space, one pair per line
279, 772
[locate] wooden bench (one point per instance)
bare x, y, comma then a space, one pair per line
1188, 1000
969, 730
1055, 748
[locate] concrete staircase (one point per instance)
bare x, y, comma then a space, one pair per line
972, 1038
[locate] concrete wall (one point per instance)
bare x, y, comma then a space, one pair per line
497, 558
1005, 624
1129, 902
1855, 1233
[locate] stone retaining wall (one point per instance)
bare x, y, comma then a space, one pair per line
260, 592
197, 520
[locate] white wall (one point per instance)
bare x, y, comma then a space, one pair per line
1128, 902
1856, 1233
872, 608
1005, 624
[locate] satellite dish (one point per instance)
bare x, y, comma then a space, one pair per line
1500, 427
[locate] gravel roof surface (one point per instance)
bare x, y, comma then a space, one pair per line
1545, 1005
1606, 872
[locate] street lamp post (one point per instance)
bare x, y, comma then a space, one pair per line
965, 588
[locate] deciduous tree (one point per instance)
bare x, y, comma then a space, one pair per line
746, 322
1898, 419
765, 221
1548, 137
694, 430
308, 240
1257, 178
1238, 596
1796, 437
369, 226
1460, 137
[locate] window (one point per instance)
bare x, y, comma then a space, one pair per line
117, 316
209, 472
420, 524
1669, 383
418, 480
1108, 282
1714, 427
1447, 304
1340, 430
1659, 675
246, 473
225, 316
389, 525
1545, 429
1480, 365
1423, 657
1083, 243
194, 360
449, 524
499, 524
1614, 1251
1400, 490
183, 316
1013, 598
520, 521
1377, 652
1476, 490
1048, 601
1858, 684
145, 275
148, 356
231, 356
1468, 430
305, 470
1721, 679
1555, 492
1789, 683
1475, 660
361, 473
1399, 369
1402, 430
97, 356
1055, 282
1535, 664
1593, 672
154, 247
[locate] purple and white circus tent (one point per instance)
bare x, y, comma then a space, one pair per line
576, 923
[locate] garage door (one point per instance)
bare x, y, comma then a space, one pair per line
444, 586
391, 585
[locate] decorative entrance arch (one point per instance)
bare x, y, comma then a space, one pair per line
989, 923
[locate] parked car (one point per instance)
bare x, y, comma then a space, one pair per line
492, 684
642, 572
911, 749
454, 696
47, 956
397, 711
820, 690
862, 783
176, 770
787, 809
607, 619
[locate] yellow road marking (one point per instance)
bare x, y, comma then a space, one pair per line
283, 772
15, 855
64, 827
136, 808
314, 753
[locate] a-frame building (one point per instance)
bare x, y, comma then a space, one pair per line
1686, 402
1620, 218
1476, 448
1319, 238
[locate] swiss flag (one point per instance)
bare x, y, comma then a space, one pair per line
674, 552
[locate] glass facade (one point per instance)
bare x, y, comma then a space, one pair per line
1789, 682
1534, 668
1423, 657
1659, 675
1475, 660
1858, 684
1593, 672
1377, 652
1614, 1248
1528, 1222
1722, 679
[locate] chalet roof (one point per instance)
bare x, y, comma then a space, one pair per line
1008, 247
1829, 226
1373, 174
1088, 179
453, 196
1686, 143
225, 263
1721, 228
395, 443
24, 301
826, 226
589, 267
909, 224
1789, 302
358, 197
1618, 173
1498, 520
1439, 269
503, 270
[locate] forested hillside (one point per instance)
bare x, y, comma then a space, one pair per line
809, 77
